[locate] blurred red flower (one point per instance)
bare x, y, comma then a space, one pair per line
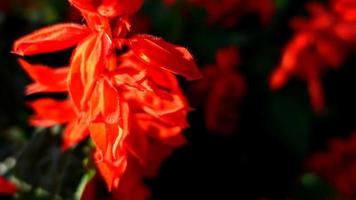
228, 12
6, 187
320, 43
222, 91
337, 165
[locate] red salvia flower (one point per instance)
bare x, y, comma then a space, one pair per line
129, 103
222, 90
319, 44
337, 165
228, 12
6, 187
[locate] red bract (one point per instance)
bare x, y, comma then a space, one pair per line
221, 90
46, 79
122, 91
6, 187
319, 44
50, 39
337, 165
228, 12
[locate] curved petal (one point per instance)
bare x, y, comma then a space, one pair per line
50, 39
49, 112
109, 103
74, 133
109, 138
112, 171
87, 64
46, 79
158, 53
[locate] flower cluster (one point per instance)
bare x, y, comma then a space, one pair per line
320, 42
337, 165
221, 91
122, 91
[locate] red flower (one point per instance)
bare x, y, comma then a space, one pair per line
7, 188
228, 12
122, 89
222, 90
345, 8
319, 44
337, 165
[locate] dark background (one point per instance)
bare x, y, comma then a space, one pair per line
264, 159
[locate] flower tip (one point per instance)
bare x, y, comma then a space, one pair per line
277, 80
194, 73
196, 76
66, 146
18, 52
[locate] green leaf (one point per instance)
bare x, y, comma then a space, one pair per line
49, 171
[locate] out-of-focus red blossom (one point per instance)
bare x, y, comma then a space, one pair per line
221, 91
320, 43
345, 8
337, 165
169, 2
122, 92
6, 187
228, 12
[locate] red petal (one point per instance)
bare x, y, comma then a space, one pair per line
7, 188
112, 8
109, 138
74, 133
316, 94
86, 65
46, 79
137, 141
165, 133
85, 5
164, 80
99, 136
123, 132
109, 103
50, 39
227, 58
131, 184
49, 112
159, 152
159, 53
112, 171
278, 79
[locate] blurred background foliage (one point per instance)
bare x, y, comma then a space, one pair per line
262, 160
